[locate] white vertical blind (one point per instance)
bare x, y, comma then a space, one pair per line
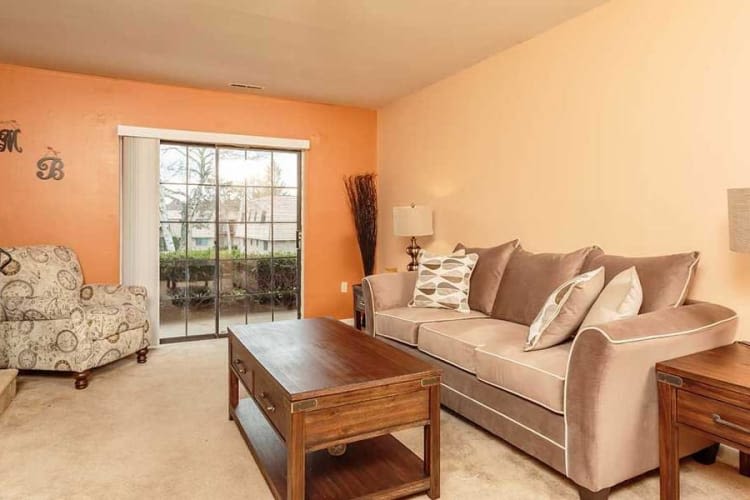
139, 214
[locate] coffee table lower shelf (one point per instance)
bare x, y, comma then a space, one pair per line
376, 468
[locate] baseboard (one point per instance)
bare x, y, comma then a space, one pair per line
7, 387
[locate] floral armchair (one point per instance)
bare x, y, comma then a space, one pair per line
49, 320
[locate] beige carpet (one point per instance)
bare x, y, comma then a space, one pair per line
160, 430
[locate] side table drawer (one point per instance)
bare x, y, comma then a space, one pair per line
272, 402
242, 362
716, 417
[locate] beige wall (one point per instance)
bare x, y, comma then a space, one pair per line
622, 127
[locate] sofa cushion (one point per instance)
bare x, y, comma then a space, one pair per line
487, 274
41, 271
455, 341
402, 323
538, 376
529, 279
38, 308
108, 320
665, 280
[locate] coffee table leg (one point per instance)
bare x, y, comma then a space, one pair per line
432, 443
295, 459
234, 392
234, 385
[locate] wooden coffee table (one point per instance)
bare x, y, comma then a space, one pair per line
324, 400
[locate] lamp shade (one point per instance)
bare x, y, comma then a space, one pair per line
415, 220
739, 219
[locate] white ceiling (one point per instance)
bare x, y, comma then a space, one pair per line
359, 52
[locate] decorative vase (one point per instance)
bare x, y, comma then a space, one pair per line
363, 201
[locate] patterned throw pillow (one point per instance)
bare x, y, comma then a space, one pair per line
564, 310
443, 281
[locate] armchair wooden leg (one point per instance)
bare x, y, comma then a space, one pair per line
82, 379
142, 355
586, 494
707, 456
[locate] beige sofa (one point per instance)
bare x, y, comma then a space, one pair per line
587, 407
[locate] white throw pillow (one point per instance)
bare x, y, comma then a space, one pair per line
564, 310
443, 281
620, 299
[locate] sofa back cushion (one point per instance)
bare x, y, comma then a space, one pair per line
41, 271
485, 280
530, 278
665, 280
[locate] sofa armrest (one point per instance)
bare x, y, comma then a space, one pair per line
386, 291
611, 405
114, 295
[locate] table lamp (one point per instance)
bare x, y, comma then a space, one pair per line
739, 219
738, 201
412, 221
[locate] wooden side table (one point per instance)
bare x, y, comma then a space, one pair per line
707, 393
359, 307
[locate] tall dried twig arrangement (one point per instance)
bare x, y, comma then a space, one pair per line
363, 201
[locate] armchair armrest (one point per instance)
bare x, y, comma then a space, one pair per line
113, 295
386, 291
611, 406
37, 308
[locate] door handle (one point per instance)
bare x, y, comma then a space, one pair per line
270, 408
717, 419
240, 366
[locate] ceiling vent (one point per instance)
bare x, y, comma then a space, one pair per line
246, 86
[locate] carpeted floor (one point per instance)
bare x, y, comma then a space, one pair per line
160, 430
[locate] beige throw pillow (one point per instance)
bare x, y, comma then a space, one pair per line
529, 278
485, 280
665, 280
443, 281
620, 299
564, 310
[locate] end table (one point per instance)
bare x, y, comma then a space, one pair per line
359, 307
707, 393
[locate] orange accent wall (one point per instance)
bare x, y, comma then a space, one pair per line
78, 116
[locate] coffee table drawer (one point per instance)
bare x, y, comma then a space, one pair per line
242, 362
716, 417
272, 402
336, 424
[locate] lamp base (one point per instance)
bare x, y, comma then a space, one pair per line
413, 251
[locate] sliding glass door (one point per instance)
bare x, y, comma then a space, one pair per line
229, 238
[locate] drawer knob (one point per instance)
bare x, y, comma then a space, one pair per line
270, 408
240, 366
717, 419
